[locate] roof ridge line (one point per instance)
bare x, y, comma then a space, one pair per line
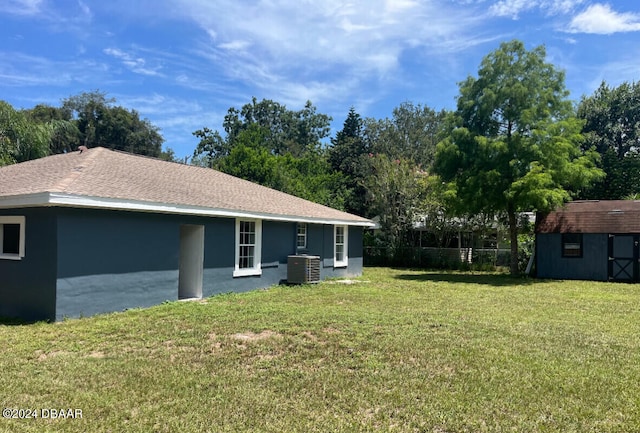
77, 170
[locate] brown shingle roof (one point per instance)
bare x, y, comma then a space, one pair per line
105, 178
592, 216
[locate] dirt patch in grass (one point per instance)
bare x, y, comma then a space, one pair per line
252, 336
347, 281
42, 356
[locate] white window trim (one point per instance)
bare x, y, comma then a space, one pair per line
345, 261
13, 220
257, 264
306, 229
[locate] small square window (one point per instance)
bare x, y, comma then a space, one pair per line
572, 245
12, 237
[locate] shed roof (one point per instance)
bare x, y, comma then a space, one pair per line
103, 178
592, 216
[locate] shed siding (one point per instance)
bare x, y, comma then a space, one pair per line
593, 265
28, 286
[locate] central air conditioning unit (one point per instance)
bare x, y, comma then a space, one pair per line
303, 269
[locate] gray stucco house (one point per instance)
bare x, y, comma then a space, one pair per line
100, 231
590, 240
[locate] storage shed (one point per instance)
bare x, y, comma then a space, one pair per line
590, 240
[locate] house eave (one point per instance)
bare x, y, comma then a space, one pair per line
53, 199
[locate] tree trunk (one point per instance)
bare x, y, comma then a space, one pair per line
513, 237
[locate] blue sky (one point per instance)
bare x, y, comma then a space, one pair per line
183, 63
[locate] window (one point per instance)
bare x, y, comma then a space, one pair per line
11, 237
301, 239
340, 258
572, 245
248, 247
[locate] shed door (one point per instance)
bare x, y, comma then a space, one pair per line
623, 257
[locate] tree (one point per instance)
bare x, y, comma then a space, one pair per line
100, 123
20, 139
65, 135
348, 145
514, 141
308, 176
169, 155
271, 145
211, 147
286, 131
394, 188
412, 133
346, 155
612, 126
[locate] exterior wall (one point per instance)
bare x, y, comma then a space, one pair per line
110, 261
27, 286
354, 253
81, 262
278, 241
593, 265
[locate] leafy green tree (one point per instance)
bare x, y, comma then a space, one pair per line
394, 188
65, 134
100, 123
211, 147
169, 155
308, 176
514, 142
612, 126
286, 131
412, 133
21, 139
271, 145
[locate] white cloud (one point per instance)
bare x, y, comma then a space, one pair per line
21, 7
26, 70
237, 45
86, 11
285, 48
332, 31
601, 19
513, 8
135, 64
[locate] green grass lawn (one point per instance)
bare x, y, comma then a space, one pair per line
403, 351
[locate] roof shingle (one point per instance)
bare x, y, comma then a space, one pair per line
101, 174
592, 216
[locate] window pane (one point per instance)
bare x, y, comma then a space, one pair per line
10, 238
246, 256
572, 250
572, 245
302, 236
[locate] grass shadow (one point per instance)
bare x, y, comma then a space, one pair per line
497, 280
